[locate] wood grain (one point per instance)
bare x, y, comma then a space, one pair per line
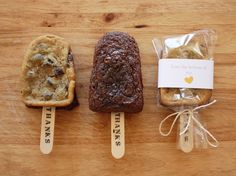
82, 137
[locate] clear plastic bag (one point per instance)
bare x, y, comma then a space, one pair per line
187, 101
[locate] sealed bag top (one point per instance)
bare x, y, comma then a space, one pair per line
195, 46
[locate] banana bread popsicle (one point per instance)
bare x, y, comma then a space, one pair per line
48, 81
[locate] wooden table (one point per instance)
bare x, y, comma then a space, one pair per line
82, 137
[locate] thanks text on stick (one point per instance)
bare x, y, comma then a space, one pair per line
116, 130
48, 125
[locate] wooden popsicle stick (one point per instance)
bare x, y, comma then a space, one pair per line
47, 129
186, 139
117, 134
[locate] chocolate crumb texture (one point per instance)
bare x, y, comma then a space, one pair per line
116, 80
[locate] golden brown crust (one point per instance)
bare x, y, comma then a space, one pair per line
59, 45
166, 98
61, 103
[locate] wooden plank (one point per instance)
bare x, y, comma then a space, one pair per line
82, 137
79, 160
105, 6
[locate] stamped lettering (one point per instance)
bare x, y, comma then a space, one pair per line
47, 129
117, 138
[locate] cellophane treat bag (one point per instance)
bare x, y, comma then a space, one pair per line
185, 85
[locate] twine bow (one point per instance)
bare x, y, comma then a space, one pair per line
190, 113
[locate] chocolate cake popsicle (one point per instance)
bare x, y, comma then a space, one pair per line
116, 79
48, 81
